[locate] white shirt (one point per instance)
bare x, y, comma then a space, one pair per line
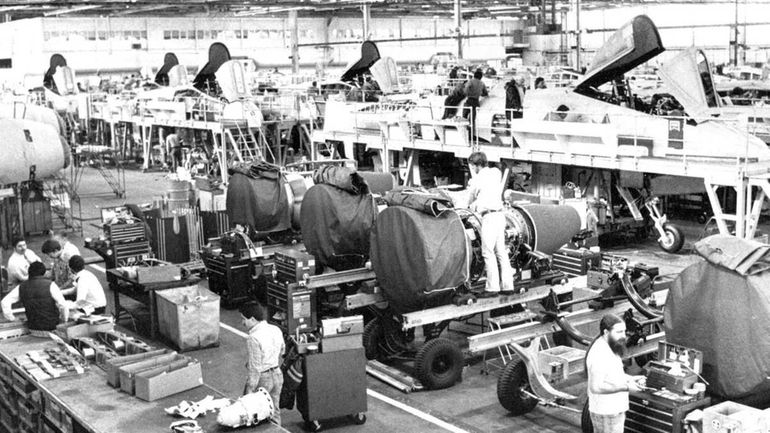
265, 348
487, 187
13, 297
605, 366
68, 249
89, 289
18, 265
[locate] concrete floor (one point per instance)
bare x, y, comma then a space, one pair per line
470, 406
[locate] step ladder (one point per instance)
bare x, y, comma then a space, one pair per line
65, 204
244, 143
505, 351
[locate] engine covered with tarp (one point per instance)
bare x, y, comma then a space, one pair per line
257, 197
337, 216
721, 306
419, 250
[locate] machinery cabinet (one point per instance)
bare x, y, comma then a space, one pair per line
653, 414
334, 386
229, 277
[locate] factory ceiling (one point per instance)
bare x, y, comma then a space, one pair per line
503, 9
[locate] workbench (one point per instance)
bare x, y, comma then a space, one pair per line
95, 407
144, 293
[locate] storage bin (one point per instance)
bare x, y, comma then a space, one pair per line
189, 317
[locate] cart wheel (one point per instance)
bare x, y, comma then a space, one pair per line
372, 337
512, 382
586, 425
673, 240
439, 363
359, 418
313, 426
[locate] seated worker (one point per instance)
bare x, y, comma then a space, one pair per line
90, 293
19, 262
60, 271
41, 299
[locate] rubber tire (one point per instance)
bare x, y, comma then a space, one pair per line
677, 242
509, 385
359, 418
586, 425
439, 350
372, 338
313, 426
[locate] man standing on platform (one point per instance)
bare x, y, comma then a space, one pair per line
486, 198
608, 383
41, 299
265, 347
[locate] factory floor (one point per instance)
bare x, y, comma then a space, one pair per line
469, 406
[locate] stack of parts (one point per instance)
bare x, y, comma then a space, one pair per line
51, 363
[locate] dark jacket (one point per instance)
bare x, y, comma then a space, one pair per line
40, 307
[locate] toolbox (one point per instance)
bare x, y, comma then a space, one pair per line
575, 262
342, 333
293, 265
292, 307
122, 233
231, 277
651, 413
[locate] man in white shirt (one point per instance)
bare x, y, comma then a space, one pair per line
68, 249
18, 263
608, 384
90, 293
486, 192
265, 346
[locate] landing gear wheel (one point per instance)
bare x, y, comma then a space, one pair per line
586, 425
673, 240
512, 382
313, 426
439, 363
359, 418
372, 338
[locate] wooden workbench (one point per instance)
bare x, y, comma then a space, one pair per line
99, 408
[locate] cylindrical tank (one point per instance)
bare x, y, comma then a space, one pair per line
544, 227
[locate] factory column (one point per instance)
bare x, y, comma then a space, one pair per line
577, 36
367, 21
294, 41
459, 28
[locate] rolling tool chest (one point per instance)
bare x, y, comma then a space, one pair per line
292, 305
649, 413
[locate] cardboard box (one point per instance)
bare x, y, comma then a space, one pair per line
72, 330
161, 382
127, 372
112, 366
731, 417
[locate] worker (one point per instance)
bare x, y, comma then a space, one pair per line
486, 191
60, 270
41, 299
475, 89
19, 262
454, 98
90, 293
313, 89
540, 83
68, 249
513, 100
174, 148
608, 384
265, 348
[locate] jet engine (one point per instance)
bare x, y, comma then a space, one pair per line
248, 410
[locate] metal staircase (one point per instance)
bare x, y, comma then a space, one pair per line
65, 204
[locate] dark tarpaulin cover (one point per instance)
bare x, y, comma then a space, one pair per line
257, 197
419, 258
336, 223
721, 306
342, 177
433, 203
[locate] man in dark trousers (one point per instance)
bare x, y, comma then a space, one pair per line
513, 99
475, 89
608, 383
265, 347
41, 299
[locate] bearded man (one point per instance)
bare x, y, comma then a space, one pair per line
608, 384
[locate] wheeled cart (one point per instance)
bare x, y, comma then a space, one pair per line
334, 385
